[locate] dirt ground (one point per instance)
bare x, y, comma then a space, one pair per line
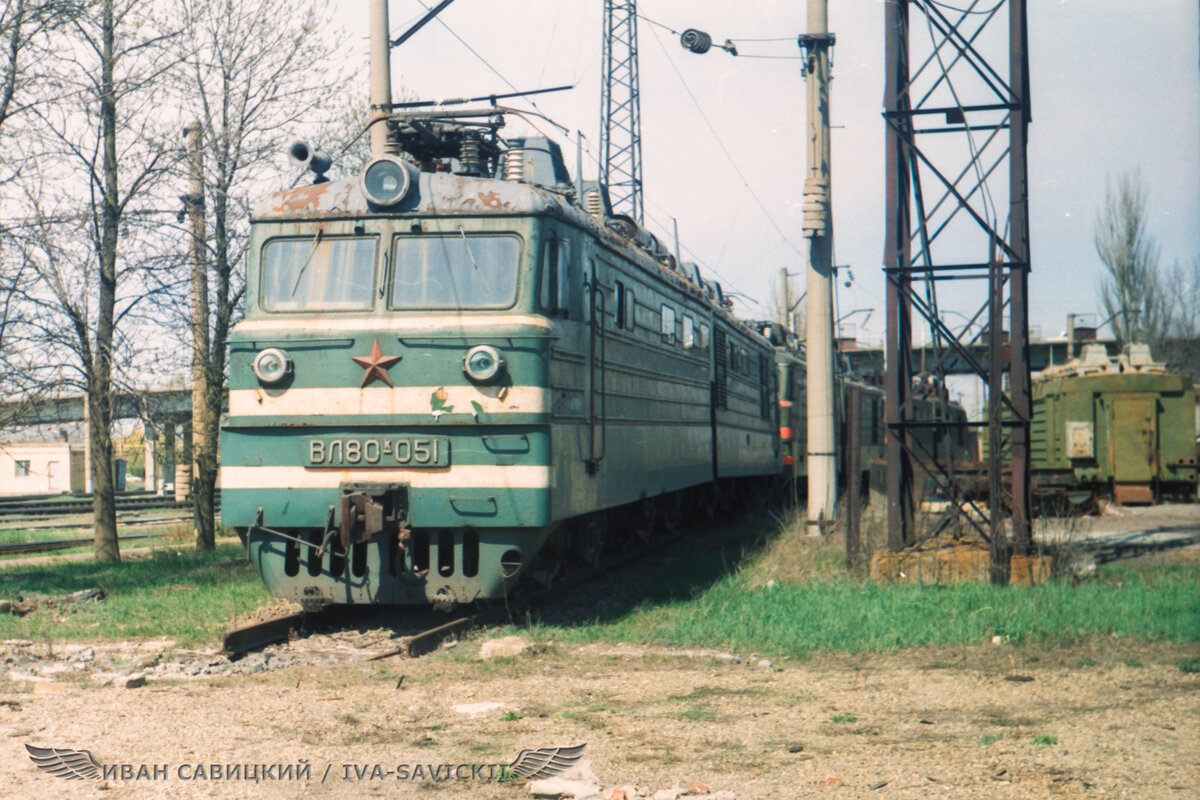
1114, 718
1121, 721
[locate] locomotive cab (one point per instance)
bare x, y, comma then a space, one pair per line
387, 437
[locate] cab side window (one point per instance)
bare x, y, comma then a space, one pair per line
555, 291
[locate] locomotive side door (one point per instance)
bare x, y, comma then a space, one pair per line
719, 398
597, 300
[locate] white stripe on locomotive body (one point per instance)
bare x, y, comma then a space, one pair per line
386, 400
474, 476
446, 322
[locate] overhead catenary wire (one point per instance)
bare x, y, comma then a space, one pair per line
728, 155
475, 53
594, 158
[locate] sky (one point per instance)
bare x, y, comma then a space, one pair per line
1115, 88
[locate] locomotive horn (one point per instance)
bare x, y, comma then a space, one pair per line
299, 153
302, 154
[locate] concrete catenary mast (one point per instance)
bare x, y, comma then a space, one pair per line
381, 76
818, 229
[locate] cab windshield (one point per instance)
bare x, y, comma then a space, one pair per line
319, 274
459, 270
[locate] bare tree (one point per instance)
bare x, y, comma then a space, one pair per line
99, 154
1181, 350
1185, 292
1132, 293
254, 70
23, 28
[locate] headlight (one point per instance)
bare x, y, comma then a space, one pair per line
387, 180
482, 363
272, 365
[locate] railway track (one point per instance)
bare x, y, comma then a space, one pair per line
84, 505
237, 642
24, 548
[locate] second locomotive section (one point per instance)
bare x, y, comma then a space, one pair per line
421, 394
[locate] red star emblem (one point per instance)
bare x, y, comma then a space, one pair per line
376, 365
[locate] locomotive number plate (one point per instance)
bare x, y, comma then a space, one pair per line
385, 451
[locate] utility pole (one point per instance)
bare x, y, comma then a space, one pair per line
818, 229
381, 76
785, 299
203, 424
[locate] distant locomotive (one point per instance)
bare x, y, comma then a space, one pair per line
790, 366
448, 369
1122, 427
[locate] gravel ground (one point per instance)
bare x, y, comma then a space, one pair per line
1113, 719
946, 723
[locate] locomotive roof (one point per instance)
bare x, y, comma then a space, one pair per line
437, 193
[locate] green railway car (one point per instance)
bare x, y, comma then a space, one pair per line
793, 412
441, 368
1123, 427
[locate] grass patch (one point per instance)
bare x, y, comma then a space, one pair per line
698, 714
1131, 662
990, 738
843, 716
737, 611
706, 692
1189, 666
1044, 739
510, 716
1085, 662
187, 595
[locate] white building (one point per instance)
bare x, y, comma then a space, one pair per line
41, 468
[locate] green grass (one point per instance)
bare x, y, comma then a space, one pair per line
990, 738
510, 716
1044, 739
698, 714
1189, 666
185, 594
14, 535
843, 614
843, 716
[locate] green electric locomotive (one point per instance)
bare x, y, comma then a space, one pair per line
459, 355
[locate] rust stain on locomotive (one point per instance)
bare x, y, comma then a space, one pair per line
312, 201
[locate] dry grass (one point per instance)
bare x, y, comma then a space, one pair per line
180, 532
797, 555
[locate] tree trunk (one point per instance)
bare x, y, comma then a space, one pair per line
100, 379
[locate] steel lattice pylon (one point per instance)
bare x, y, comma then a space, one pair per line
620, 112
957, 201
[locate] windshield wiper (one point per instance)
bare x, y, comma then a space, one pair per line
467, 244
307, 261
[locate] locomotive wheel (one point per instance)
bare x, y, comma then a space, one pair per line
646, 519
727, 497
671, 506
591, 536
704, 499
